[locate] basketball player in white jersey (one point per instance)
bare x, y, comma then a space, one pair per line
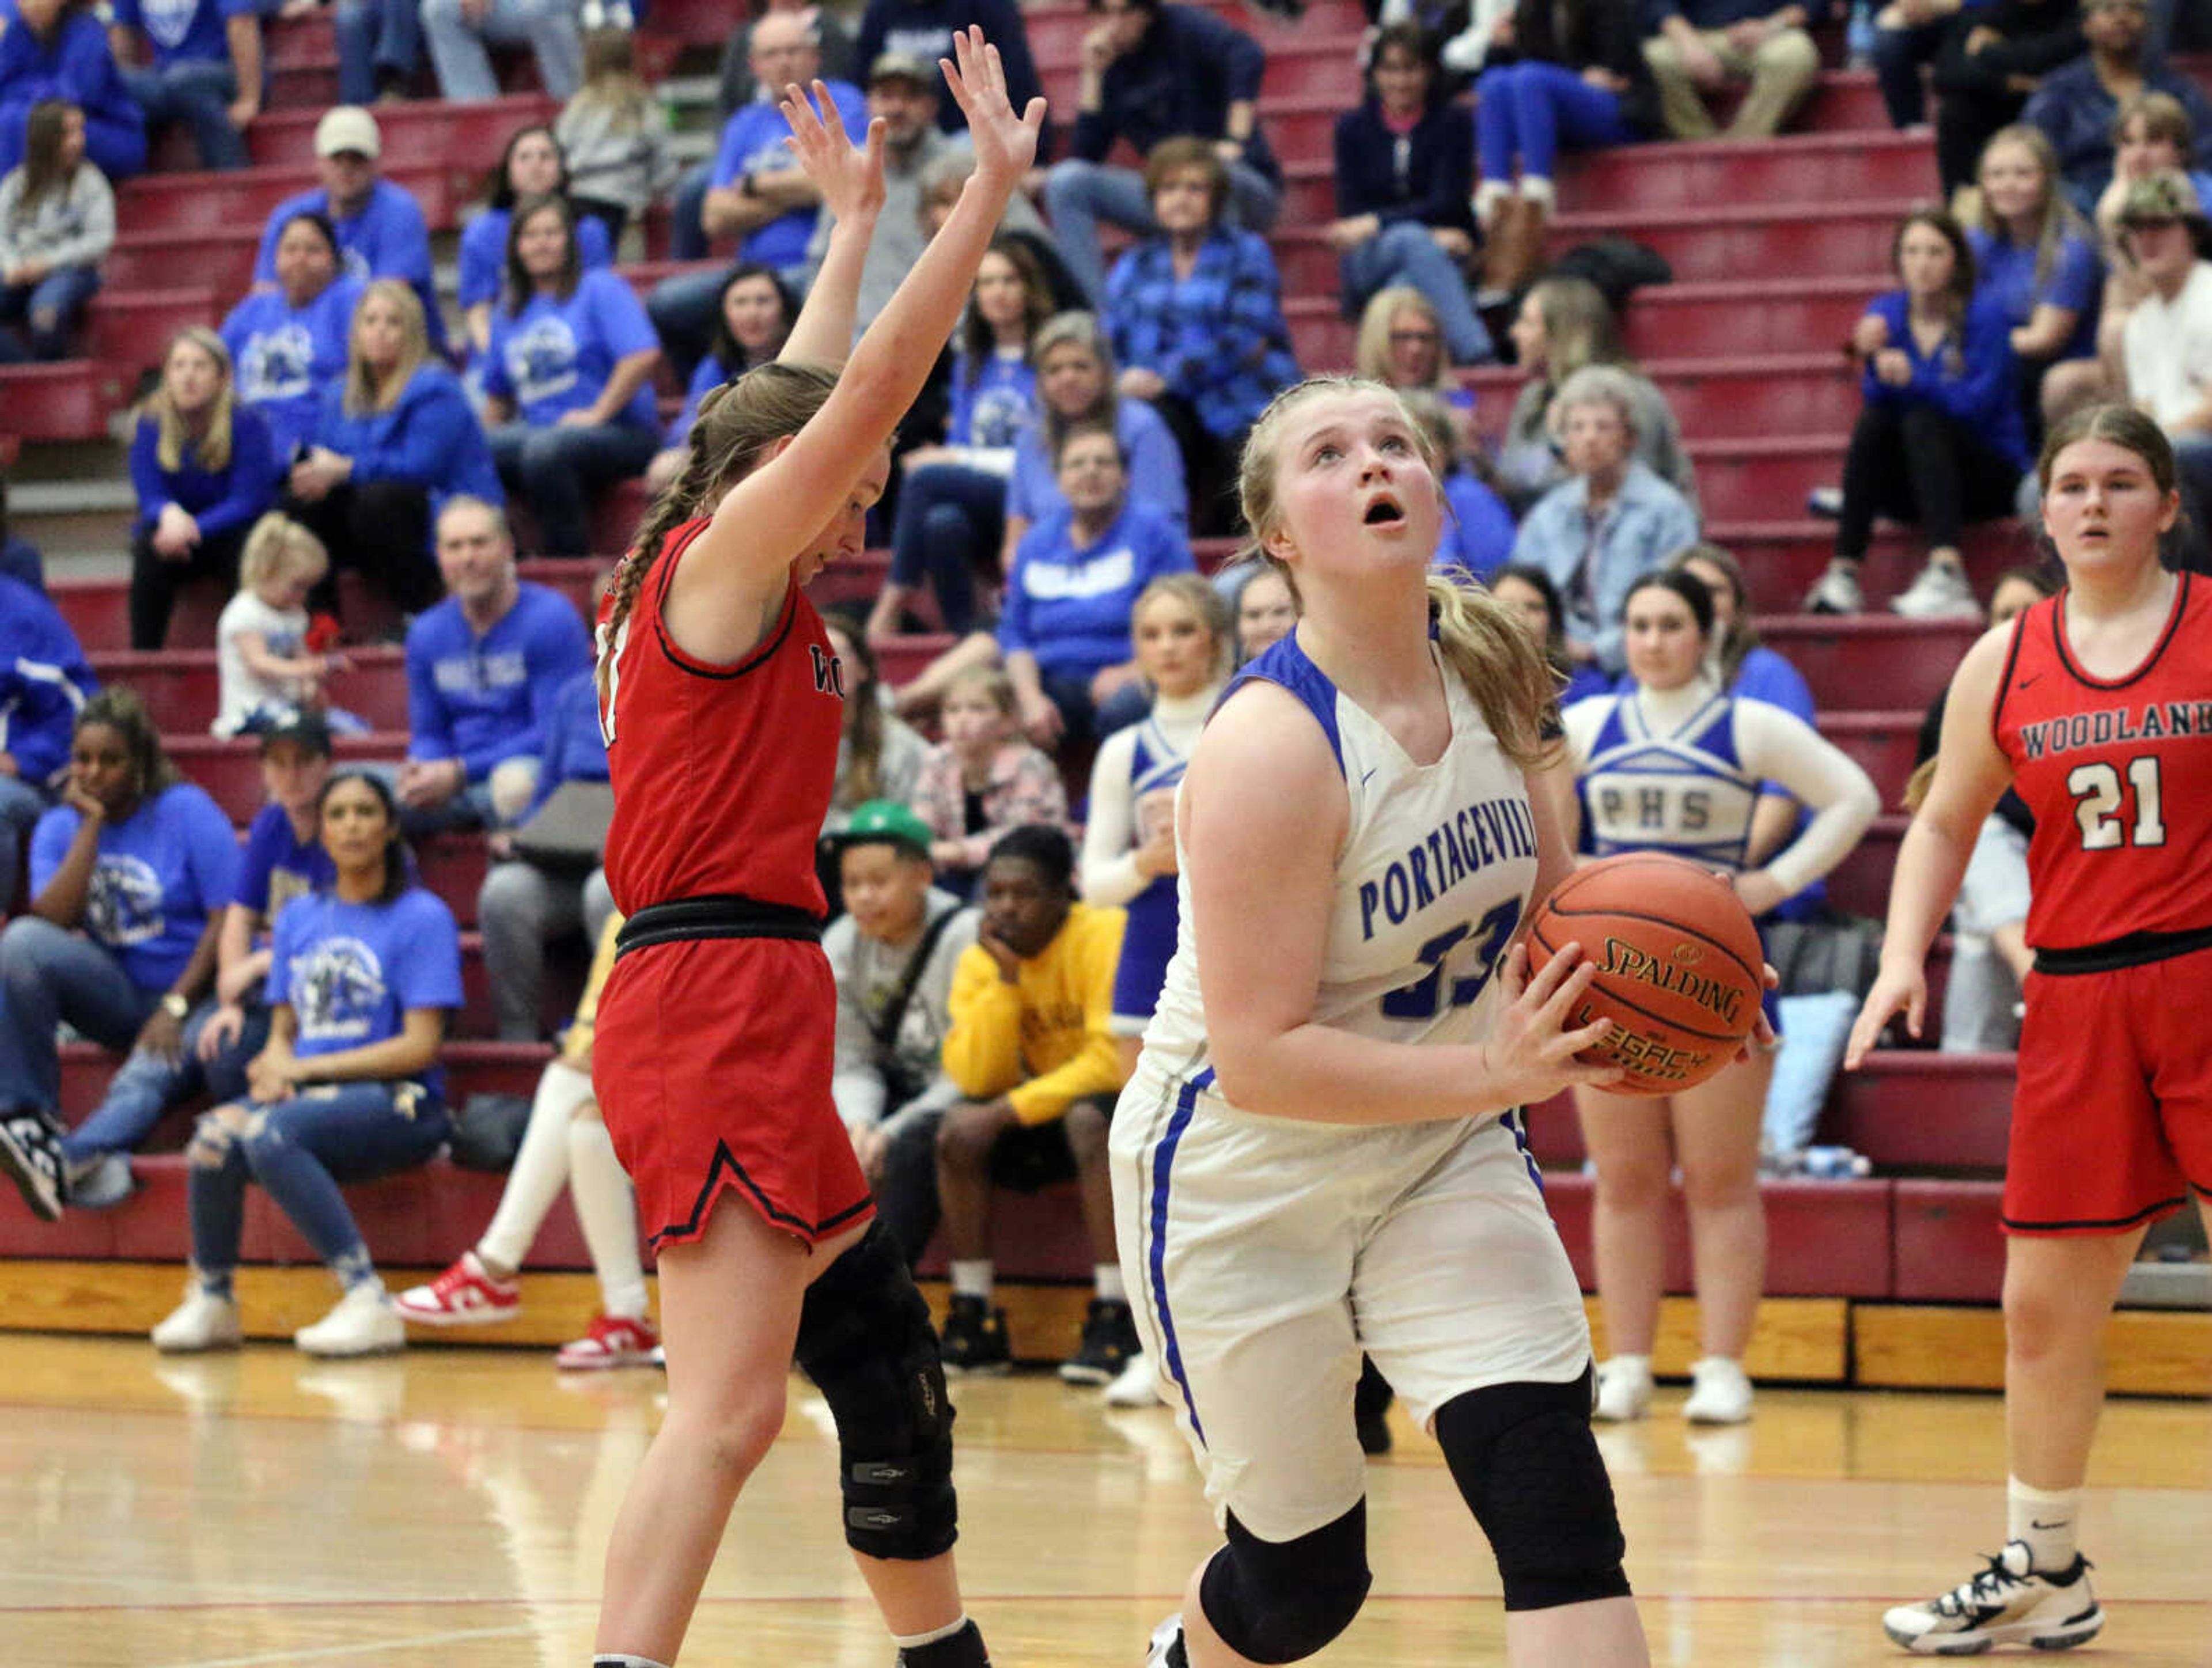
1320, 1150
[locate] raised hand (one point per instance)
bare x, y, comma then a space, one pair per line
1006, 143
849, 178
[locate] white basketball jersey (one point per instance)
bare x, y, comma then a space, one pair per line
1435, 872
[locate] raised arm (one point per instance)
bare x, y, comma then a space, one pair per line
851, 183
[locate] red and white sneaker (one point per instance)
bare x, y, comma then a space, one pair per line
464, 1295
614, 1341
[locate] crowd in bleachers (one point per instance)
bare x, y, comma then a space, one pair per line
1051, 505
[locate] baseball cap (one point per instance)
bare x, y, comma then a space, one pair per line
888, 822
304, 728
2164, 196
901, 66
348, 127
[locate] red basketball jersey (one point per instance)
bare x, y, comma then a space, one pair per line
722, 774
2119, 776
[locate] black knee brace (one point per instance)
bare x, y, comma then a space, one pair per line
866, 1340
1526, 1465
1280, 1601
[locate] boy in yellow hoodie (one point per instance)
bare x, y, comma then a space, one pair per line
1032, 1052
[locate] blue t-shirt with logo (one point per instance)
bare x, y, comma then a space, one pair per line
998, 406
1069, 604
350, 972
484, 253
554, 356
159, 874
285, 357
279, 867
752, 143
185, 31
388, 239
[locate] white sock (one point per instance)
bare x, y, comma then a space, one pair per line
541, 1166
2048, 1520
1107, 1277
972, 1278
1640, 1365
916, 1641
607, 1212
616, 1659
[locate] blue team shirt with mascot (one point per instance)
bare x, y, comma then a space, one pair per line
351, 971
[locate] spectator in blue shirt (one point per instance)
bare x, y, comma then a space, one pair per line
44, 681
204, 470
1611, 522
361, 976
754, 314
485, 669
951, 505
380, 48
1196, 315
1571, 77
924, 29
394, 439
459, 31
2034, 256
1696, 47
19, 558
568, 380
1941, 439
1477, 531
1991, 60
206, 73
1065, 633
524, 905
288, 344
1404, 171
533, 165
130, 877
380, 228
56, 49
1151, 72
2076, 106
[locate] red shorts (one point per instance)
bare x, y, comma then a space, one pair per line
2112, 1123
712, 1062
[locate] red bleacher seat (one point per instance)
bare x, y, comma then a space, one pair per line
1949, 1247
1823, 1238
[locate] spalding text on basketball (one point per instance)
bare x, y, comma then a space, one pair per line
1723, 1000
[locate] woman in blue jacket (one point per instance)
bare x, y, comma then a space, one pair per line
204, 470
394, 441
569, 386
1941, 439
1404, 167
1075, 581
362, 976
290, 343
131, 875
57, 49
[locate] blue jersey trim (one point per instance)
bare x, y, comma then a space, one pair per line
1163, 1162
1285, 663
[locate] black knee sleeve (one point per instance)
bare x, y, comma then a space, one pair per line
866, 1340
1526, 1465
1280, 1601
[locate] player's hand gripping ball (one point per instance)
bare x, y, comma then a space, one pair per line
1679, 970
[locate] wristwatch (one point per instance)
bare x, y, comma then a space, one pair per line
175, 1006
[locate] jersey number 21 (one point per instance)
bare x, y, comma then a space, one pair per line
2097, 794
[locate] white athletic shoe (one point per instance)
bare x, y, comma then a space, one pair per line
203, 1321
1720, 1393
1940, 592
1166, 1639
363, 1323
1836, 591
1136, 1385
1624, 1389
2009, 1603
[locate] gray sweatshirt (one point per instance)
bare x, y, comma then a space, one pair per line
611, 161
75, 228
869, 972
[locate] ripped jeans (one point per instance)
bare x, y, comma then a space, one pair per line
299, 1150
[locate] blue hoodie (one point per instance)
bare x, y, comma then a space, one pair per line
219, 500
286, 355
574, 751
44, 681
431, 436
482, 699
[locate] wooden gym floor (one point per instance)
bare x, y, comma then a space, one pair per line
451, 1508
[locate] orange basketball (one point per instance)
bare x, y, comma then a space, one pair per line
1679, 965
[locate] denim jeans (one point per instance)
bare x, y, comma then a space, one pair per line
1404, 252
548, 27
687, 238
198, 93
1899, 55
299, 1150
1530, 109
554, 469
21, 805
947, 514
51, 308
49, 974
1078, 195
147, 1086
521, 908
380, 46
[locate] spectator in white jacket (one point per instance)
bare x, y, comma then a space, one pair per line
56, 225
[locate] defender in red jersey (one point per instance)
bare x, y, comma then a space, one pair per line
2097, 706
720, 700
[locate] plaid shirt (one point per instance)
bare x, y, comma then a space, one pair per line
1217, 338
